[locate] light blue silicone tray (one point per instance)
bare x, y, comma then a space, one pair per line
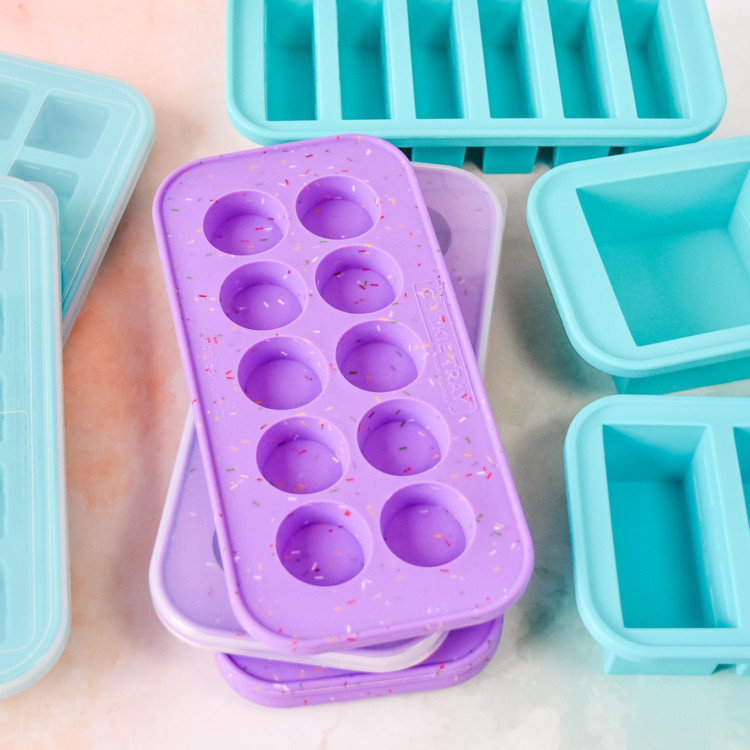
658, 497
510, 76
86, 138
648, 258
34, 586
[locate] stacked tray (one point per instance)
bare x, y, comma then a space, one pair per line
474, 274
74, 145
510, 76
34, 581
84, 139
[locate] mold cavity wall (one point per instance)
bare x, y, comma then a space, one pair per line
662, 495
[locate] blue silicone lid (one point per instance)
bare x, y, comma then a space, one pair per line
510, 76
86, 138
34, 578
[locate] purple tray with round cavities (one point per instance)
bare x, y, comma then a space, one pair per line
360, 491
277, 684
186, 579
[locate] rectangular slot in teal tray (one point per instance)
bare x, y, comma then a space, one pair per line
659, 484
509, 76
432, 59
654, 71
505, 59
580, 61
290, 62
362, 60
659, 531
86, 138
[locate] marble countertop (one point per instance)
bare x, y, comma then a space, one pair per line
123, 680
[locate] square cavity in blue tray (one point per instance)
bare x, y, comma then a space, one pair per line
509, 76
648, 258
658, 500
85, 138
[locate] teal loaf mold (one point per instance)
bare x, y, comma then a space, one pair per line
658, 491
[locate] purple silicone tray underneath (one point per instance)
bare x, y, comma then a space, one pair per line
359, 487
464, 653
187, 582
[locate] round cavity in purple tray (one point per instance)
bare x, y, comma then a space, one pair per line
282, 373
301, 455
442, 230
426, 524
380, 356
263, 295
245, 222
338, 207
323, 544
358, 279
403, 437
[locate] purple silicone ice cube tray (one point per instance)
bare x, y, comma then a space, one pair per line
190, 594
359, 488
463, 654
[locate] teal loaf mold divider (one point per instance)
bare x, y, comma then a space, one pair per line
85, 138
34, 578
658, 490
510, 76
648, 259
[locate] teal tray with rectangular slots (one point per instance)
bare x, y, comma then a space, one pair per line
582, 77
34, 578
85, 138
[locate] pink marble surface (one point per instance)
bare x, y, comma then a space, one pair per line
123, 681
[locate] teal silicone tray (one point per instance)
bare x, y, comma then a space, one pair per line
34, 585
659, 498
647, 256
86, 138
510, 76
